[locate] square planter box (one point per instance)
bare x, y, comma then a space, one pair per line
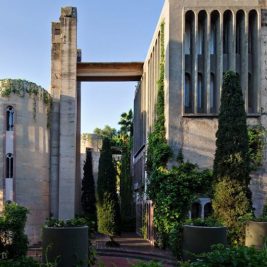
256, 234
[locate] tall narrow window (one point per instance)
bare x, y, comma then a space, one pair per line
188, 34
201, 32
188, 94
200, 93
188, 37
227, 22
214, 28
212, 94
240, 28
10, 118
9, 165
212, 46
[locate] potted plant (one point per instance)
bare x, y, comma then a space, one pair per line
256, 231
200, 235
66, 242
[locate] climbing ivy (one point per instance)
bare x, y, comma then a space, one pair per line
21, 88
256, 143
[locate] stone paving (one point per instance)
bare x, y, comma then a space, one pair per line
132, 249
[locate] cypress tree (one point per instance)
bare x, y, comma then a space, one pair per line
108, 204
231, 165
231, 157
88, 198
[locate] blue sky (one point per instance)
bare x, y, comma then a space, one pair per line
108, 30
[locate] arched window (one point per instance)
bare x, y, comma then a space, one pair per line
202, 18
188, 38
250, 94
212, 94
188, 94
9, 165
10, 118
227, 22
196, 210
240, 30
200, 93
214, 25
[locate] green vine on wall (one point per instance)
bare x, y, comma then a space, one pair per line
21, 88
256, 144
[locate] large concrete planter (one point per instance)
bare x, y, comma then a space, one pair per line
256, 234
199, 239
68, 245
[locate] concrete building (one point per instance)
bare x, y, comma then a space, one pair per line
203, 39
24, 150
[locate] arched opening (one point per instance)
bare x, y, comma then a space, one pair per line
9, 165
214, 26
252, 61
227, 32
188, 38
9, 118
240, 30
201, 32
195, 210
207, 210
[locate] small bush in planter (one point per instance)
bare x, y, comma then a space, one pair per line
200, 235
67, 243
230, 257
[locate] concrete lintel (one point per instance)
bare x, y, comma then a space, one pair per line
109, 71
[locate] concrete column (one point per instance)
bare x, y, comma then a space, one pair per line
207, 65
219, 59
68, 113
195, 62
54, 127
78, 144
232, 43
244, 58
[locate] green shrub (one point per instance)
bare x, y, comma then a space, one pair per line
148, 264
21, 262
178, 188
231, 257
256, 143
13, 241
208, 221
230, 205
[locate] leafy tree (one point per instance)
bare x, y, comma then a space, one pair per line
107, 131
231, 164
108, 204
88, 198
126, 122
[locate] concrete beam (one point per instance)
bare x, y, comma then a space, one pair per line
109, 72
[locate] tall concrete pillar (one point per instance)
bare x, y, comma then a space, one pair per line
64, 115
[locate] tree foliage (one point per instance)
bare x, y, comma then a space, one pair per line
232, 197
231, 156
108, 205
13, 242
88, 198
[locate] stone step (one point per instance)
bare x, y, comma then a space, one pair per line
170, 261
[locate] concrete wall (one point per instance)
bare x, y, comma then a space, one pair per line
194, 133
31, 158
